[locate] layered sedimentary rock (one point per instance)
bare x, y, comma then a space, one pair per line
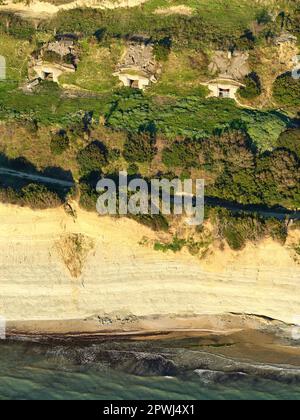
118, 273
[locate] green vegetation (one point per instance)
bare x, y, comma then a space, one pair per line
194, 117
182, 74
88, 196
47, 106
16, 52
290, 140
156, 222
162, 49
14, 25
238, 229
92, 158
59, 143
240, 173
245, 155
35, 196
252, 87
96, 66
287, 90
175, 246
140, 147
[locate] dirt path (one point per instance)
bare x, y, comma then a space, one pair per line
39, 9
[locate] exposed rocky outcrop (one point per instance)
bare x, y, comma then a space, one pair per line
138, 67
232, 65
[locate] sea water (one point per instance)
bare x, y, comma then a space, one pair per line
125, 370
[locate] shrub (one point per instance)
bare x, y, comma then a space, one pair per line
69, 59
114, 155
286, 90
237, 229
39, 197
36, 196
182, 154
252, 87
278, 178
59, 143
155, 222
263, 17
88, 197
175, 246
277, 230
139, 147
92, 158
162, 49
290, 140
133, 169
52, 57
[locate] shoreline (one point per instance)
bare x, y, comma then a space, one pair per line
245, 340
145, 327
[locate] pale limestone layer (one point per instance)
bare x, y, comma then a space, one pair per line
121, 275
39, 9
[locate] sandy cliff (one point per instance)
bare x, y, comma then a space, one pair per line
40, 9
37, 251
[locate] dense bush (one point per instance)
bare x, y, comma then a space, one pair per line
133, 169
252, 87
126, 23
238, 229
278, 178
92, 158
263, 17
139, 147
240, 174
183, 154
193, 117
88, 200
286, 90
114, 155
52, 57
290, 140
59, 142
35, 196
88, 197
156, 222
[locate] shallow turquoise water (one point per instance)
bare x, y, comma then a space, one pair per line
45, 372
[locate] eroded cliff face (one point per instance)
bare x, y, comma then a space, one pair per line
118, 273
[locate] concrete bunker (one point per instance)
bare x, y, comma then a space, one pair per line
55, 58
224, 88
138, 67
51, 72
230, 68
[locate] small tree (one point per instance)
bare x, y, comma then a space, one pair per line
252, 87
290, 140
286, 90
92, 158
59, 143
140, 147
